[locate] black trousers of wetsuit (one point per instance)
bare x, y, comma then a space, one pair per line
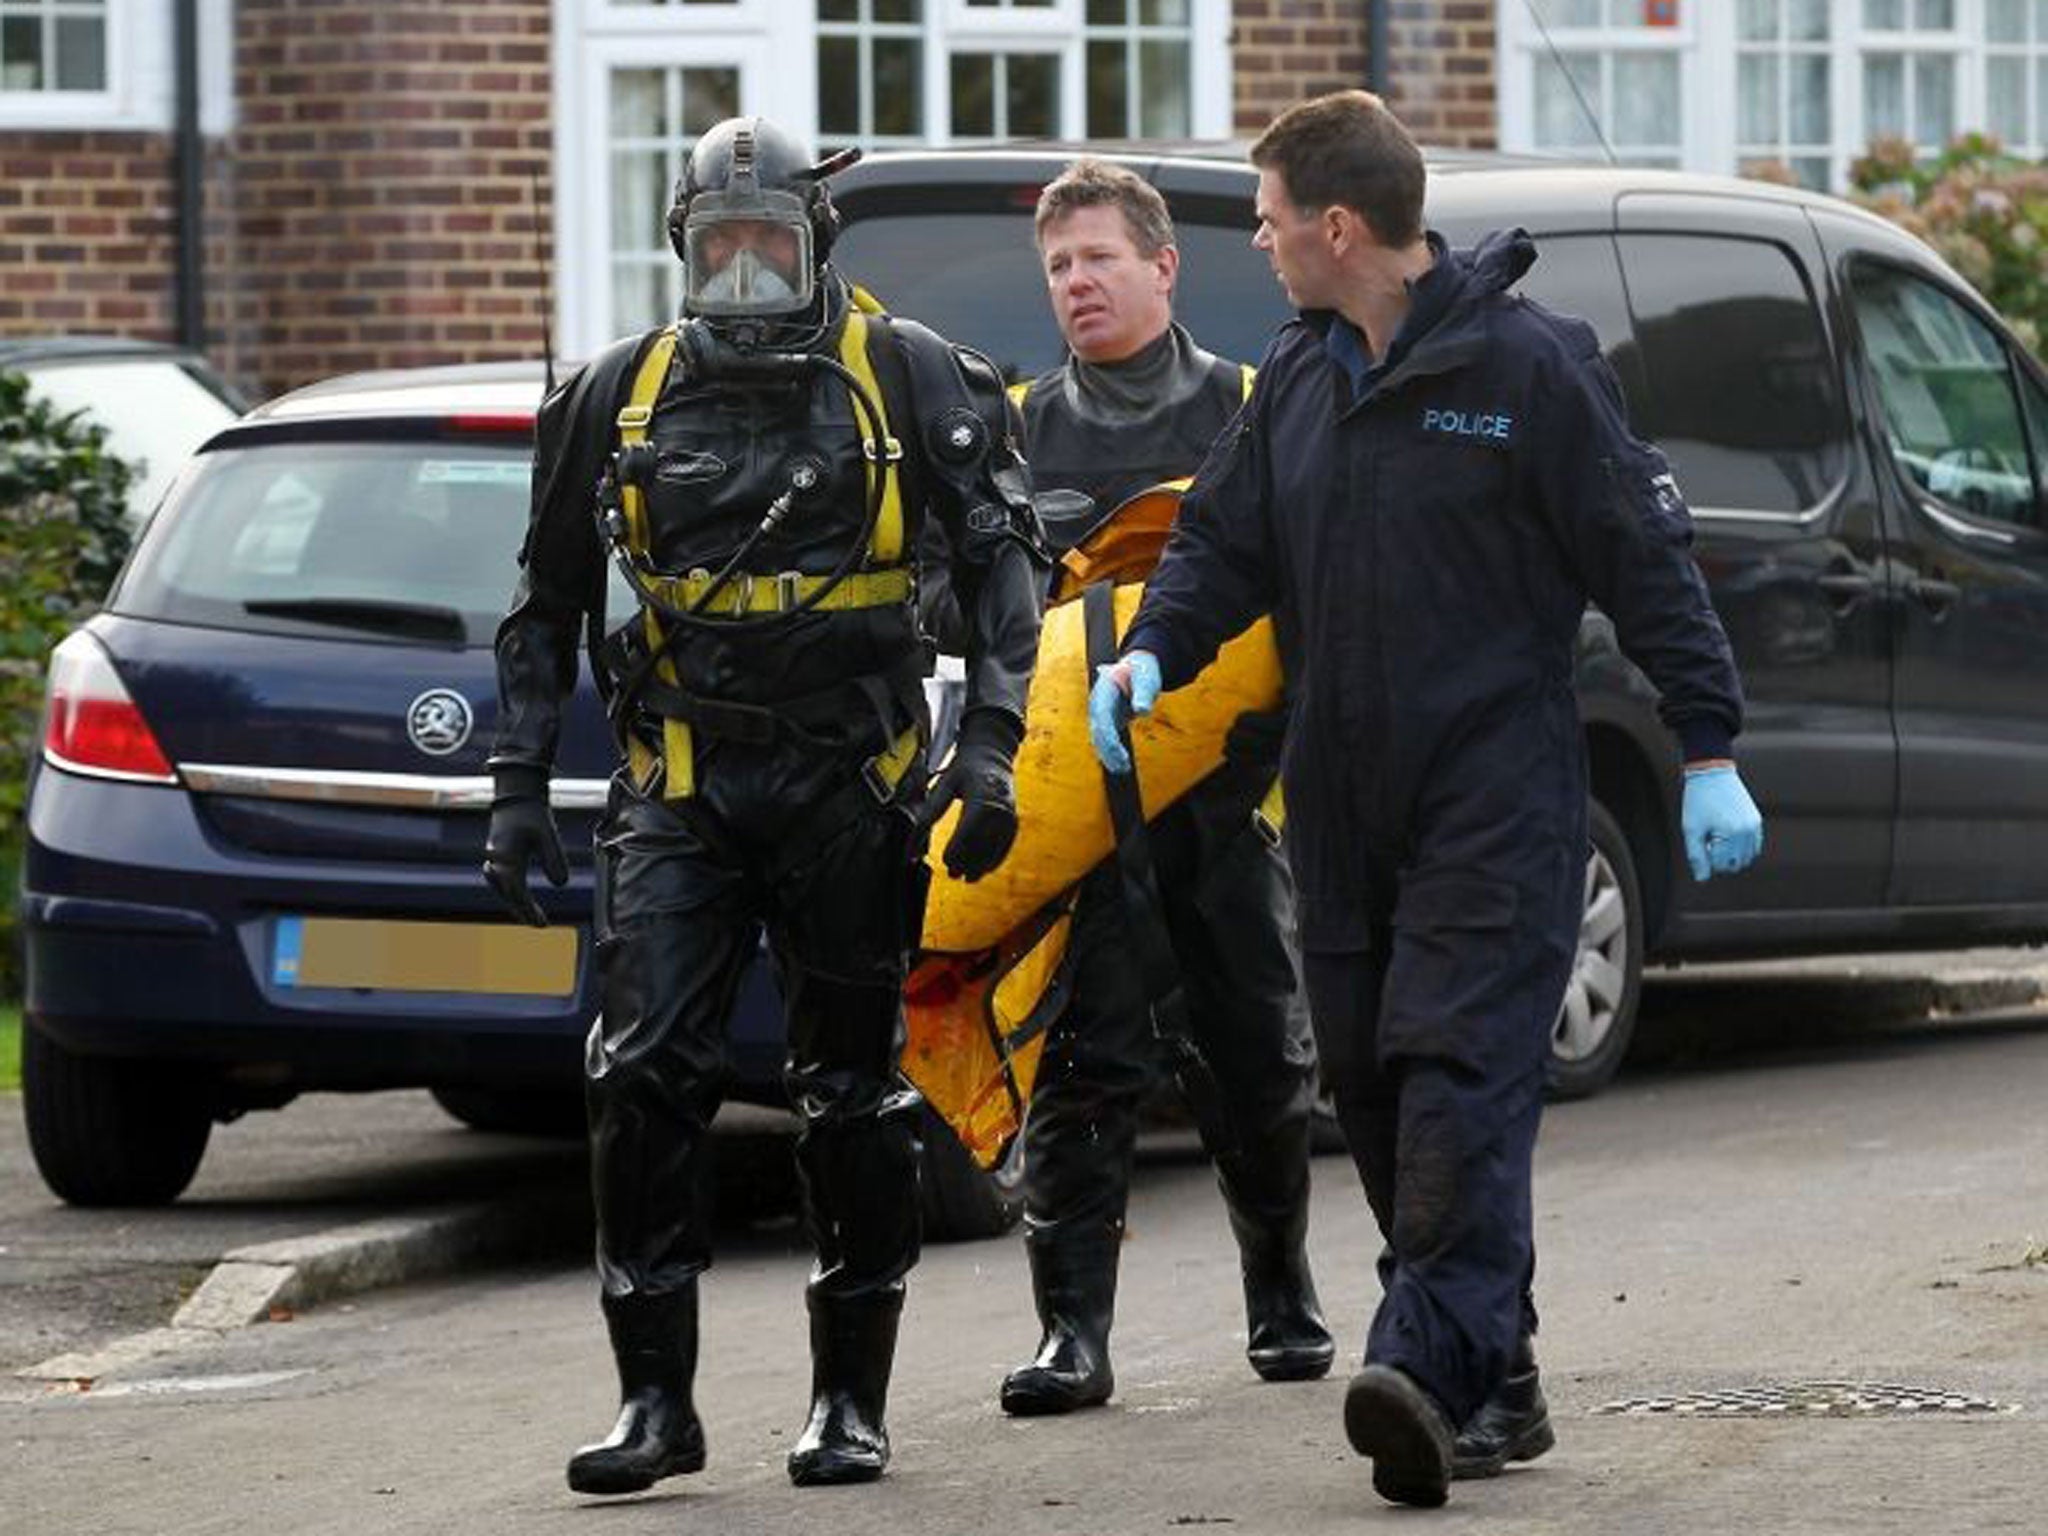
1226, 896
684, 891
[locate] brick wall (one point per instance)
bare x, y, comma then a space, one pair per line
381, 185
88, 234
1440, 53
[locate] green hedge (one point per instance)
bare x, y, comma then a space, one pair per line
63, 535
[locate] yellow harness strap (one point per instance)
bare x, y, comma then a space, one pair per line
891, 583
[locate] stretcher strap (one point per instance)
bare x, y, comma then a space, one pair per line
1146, 914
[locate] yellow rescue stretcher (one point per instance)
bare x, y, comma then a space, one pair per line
980, 996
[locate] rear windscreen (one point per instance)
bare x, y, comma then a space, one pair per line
308, 537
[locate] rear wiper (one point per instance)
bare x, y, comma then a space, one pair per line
415, 621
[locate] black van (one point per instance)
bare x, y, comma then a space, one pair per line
1865, 449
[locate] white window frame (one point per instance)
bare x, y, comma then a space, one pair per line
1016, 47
1707, 70
139, 50
774, 45
2033, 56
1520, 45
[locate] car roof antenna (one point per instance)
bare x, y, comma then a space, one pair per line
547, 302
1585, 106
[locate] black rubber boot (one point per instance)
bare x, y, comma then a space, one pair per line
853, 1345
1513, 1424
1266, 1191
1073, 1281
1391, 1418
654, 1341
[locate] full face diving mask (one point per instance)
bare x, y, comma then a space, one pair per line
746, 253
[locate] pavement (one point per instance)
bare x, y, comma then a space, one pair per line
337, 1194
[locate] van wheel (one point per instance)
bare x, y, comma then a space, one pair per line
1598, 1019
110, 1131
962, 1200
516, 1111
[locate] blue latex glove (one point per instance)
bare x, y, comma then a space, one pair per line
1724, 831
1122, 688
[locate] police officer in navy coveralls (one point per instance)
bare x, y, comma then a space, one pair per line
1432, 478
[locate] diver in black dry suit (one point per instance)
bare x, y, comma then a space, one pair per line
763, 490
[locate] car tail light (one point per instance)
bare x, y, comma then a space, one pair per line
91, 725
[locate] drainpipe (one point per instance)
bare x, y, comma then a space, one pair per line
1378, 68
190, 173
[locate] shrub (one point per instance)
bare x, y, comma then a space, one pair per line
63, 535
1984, 211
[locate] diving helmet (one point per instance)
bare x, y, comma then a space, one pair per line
751, 221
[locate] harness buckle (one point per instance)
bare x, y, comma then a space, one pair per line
878, 785
743, 593
889, 448
635, 418
787, 595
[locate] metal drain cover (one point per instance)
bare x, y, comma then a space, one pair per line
1813, 1399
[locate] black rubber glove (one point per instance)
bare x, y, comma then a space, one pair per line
522, 827
978, 776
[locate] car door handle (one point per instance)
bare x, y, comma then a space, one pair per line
1845, 589
1935, 595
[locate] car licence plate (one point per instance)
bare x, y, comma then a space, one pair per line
390, 955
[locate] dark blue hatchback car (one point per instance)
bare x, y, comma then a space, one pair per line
256, 829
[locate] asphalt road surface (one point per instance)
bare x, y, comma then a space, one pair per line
1730, 1230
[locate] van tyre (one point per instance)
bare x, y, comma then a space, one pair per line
1597, 1022
963, 1201
107, 1131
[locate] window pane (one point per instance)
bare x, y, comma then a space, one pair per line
1757, 21
1935, 15
639, 296
2005, 90
1741, 392
1163, 89
81, 53
1946, 388
897, 10
1884, 15
1810, 115
1033, 95
974, 95
640, 194
839, 10
1646, 98
639, 104
1108, 13
1163, 13
839, 86
21, 53
1756, 83
1813, 173
1884, 95
1561, 120
1573, 13
710, 96
1934, 99
1809, 21
898, 108
2005, 21
1108, 90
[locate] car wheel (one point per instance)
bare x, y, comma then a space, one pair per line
110, 1131
1598, 1019
516, 1111
963, 1200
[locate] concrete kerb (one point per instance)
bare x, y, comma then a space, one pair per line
260, 1282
